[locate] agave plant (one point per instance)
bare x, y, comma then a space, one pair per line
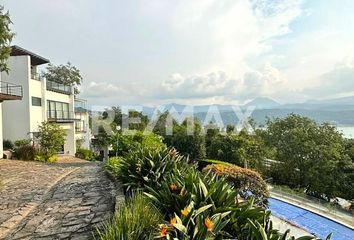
145, 167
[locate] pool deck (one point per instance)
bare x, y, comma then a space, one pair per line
344, 219
283, 225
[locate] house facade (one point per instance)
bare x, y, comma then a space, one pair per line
8, 91
42, 101
82, 125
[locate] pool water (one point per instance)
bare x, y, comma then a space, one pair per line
312, 222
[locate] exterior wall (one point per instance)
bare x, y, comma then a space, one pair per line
16, 114
83, 134
37, 115
20, 118
70, 142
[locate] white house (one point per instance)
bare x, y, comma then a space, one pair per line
82, 128
8, 91
42, 101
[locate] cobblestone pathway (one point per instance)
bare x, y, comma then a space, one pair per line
65, 200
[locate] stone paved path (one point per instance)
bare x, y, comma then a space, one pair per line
65, 200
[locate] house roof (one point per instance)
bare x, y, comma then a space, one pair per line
35, 59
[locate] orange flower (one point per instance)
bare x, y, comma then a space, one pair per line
208, 224
173, 221
173, 187
220, 168
163, 231
185, 212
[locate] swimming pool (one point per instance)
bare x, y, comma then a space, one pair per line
312, 222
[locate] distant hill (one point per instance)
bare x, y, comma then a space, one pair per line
338, 111
263, 103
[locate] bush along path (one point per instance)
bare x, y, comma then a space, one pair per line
70, 209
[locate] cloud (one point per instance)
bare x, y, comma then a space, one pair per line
337, 82
220, 85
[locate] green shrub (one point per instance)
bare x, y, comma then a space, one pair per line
145, 167
22, 142
86, 154
132, 141
136, 219
7, 144
23, 150
248, 183
113, 165
51, 138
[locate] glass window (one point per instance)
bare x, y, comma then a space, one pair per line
58, 110
36, 101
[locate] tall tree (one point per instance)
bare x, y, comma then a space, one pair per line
311, 155
65, 74
6, 36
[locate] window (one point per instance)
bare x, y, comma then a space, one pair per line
36, 101
58, 110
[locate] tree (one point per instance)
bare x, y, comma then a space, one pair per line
134, 141
102, 139
6, 36
65, 74
191, 144
311, 155
241, 149
51, 138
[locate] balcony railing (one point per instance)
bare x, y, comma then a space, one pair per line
59, 87
80, 105
80, 129
10, 91
61, 116
36, 76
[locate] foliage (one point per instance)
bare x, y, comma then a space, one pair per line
65, 74
6, 36
23, 150
199, 206
248, 183
86, 154
194, 205
7, 144
22, 142
145, 167
310, 155
241, 149
144, 120
136, 219
102, 139
130, 141
113, 165
187, 143
51, 138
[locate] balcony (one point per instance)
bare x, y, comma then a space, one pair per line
59, 88
9, 91
80, 105
36, 76
61, 116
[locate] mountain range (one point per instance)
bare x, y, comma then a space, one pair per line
338, 111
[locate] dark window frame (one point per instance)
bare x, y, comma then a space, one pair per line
36, 101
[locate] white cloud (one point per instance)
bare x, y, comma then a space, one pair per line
337, 82
220, 85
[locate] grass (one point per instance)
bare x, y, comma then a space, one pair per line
137, 218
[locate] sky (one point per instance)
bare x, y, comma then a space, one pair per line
141, 52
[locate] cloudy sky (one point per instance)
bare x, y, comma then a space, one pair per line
195, 51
